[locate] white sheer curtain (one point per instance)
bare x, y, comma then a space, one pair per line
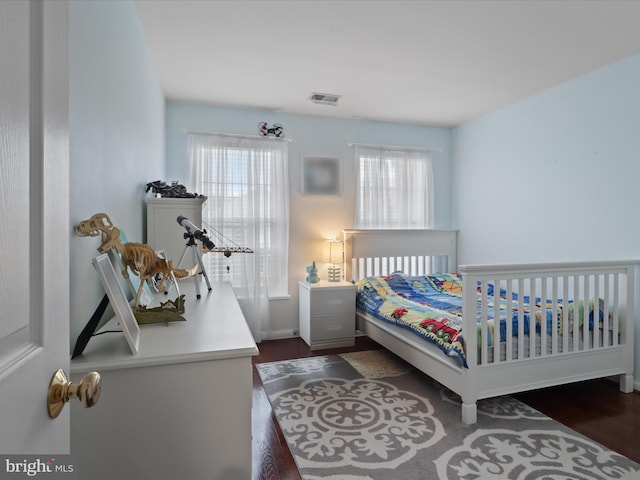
394, 188
246, 182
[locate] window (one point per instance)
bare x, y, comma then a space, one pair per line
245, 180
394, 188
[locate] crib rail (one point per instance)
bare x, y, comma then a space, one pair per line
571, 307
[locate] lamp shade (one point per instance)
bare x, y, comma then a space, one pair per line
333, 252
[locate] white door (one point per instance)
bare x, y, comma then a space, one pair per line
34, 223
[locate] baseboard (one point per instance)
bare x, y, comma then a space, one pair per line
280, 334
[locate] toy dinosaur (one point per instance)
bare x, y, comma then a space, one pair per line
140, 258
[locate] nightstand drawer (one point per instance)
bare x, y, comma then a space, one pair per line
326, 327
332, 301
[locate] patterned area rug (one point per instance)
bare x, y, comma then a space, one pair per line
369, 416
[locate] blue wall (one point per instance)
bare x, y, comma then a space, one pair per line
116, 129
312, 218
554, 177
533, 178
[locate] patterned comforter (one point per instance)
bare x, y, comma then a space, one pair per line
431, 307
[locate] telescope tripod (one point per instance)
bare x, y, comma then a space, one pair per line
197, 259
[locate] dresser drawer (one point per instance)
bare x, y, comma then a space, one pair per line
325, 302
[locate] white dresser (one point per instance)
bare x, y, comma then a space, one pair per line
180, 407
163, 230
327, 314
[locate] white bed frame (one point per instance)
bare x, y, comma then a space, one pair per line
509, 368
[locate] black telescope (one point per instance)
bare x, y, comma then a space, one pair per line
196, 232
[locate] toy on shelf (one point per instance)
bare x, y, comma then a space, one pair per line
138, 258
193, 233
175, 190
276, 130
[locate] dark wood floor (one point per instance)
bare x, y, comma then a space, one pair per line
595, 408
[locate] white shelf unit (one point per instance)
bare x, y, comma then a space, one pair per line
163, 230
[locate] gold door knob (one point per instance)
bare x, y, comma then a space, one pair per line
61, 390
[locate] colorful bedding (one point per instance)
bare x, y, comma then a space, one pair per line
431, 307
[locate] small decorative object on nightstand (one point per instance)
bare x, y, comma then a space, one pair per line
334, 255
312, 273
328, 314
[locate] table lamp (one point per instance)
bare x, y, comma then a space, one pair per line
334, 252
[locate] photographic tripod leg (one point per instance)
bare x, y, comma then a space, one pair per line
184, 253
195, 278
204, 272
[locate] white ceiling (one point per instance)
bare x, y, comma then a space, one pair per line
421, 62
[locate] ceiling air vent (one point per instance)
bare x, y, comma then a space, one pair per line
324, 98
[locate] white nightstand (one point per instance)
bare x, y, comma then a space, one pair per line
327, 314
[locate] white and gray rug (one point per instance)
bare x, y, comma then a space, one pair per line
369, 416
